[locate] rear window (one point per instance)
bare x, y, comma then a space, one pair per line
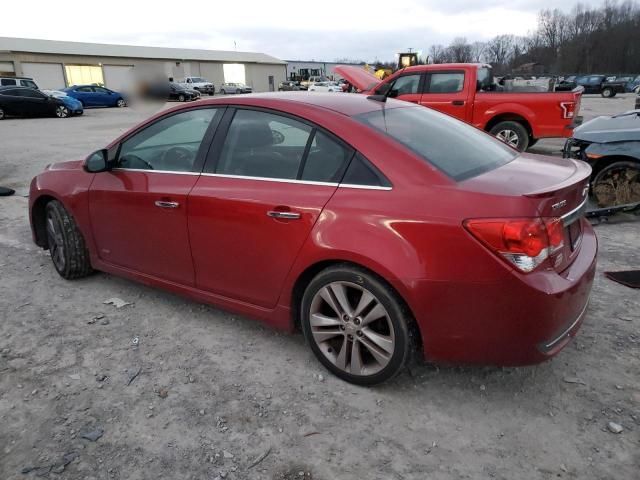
459, 150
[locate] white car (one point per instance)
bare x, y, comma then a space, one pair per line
325, 87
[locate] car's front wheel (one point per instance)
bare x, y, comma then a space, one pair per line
65, 242
121, 103
356, 325
62, 111
1, 114
181, 98
607, 92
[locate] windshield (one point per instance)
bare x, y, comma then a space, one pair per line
459, 150
197, 80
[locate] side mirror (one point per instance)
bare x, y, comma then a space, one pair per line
97, 162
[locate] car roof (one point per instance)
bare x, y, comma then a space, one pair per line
15, 87
443, 66
348, 104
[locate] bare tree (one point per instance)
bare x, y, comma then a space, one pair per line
437, 54
459, 51
478, 50
500, 49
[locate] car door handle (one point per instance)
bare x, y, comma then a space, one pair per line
458, 103
283, 215
166, 204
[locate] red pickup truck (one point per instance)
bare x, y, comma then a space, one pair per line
467, 91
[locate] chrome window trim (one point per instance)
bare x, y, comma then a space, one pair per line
570, 217
262, 179
269, 179
174, 172
365, 187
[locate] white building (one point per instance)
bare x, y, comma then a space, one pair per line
55, 64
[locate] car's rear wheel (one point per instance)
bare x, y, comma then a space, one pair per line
617, 184
607, 92
62, 111
356, 325
121, 103
512, 133
65, 242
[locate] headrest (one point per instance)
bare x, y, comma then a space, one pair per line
255, 134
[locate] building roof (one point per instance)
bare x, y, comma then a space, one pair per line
56, 47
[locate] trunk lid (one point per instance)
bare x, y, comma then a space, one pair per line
358, 77
557, 187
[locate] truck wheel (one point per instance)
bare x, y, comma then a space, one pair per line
607, 92
512, 133
617, 184
181, 98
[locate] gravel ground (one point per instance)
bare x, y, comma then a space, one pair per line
166, 388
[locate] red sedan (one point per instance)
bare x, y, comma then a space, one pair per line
378, 228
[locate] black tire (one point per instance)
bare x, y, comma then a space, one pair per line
238, 91
404, 332
181, 98
607, 92
532, 142
121, 103
61, 229
223, 91
517, 128
1, 114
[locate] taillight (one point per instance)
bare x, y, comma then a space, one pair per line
523, 242
568, 109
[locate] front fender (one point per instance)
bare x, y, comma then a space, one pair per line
69, 186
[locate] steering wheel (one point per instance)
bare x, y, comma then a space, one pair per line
134, 161
179, 157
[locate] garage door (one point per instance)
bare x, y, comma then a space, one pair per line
117, 77
46, 75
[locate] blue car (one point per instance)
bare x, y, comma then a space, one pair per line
95, 96
73, 105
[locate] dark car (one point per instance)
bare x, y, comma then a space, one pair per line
96, 96
599, 84
308, 211
566, 84
27, 102
171, 91
611, 145
288, 86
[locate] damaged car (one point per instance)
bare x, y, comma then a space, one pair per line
611, 145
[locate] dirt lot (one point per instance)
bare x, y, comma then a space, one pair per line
204, 394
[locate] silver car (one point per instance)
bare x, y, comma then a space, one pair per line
232, 87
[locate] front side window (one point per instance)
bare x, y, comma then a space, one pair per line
406, 85
169, 144
446, 82
260, 144
459, 150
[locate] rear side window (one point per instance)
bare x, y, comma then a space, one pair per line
7, 82
459, 150
326, 159
362, 172
450, 82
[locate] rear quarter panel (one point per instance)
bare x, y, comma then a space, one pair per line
541, 110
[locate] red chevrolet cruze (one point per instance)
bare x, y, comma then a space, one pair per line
379, 228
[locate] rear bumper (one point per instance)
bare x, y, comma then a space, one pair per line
521, 319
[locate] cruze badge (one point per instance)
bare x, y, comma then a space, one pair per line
558, 205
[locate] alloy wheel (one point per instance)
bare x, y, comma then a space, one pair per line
352, 328
56, 243
62, 111
509, 137
121, 103
1, 114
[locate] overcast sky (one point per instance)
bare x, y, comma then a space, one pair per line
288, 29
